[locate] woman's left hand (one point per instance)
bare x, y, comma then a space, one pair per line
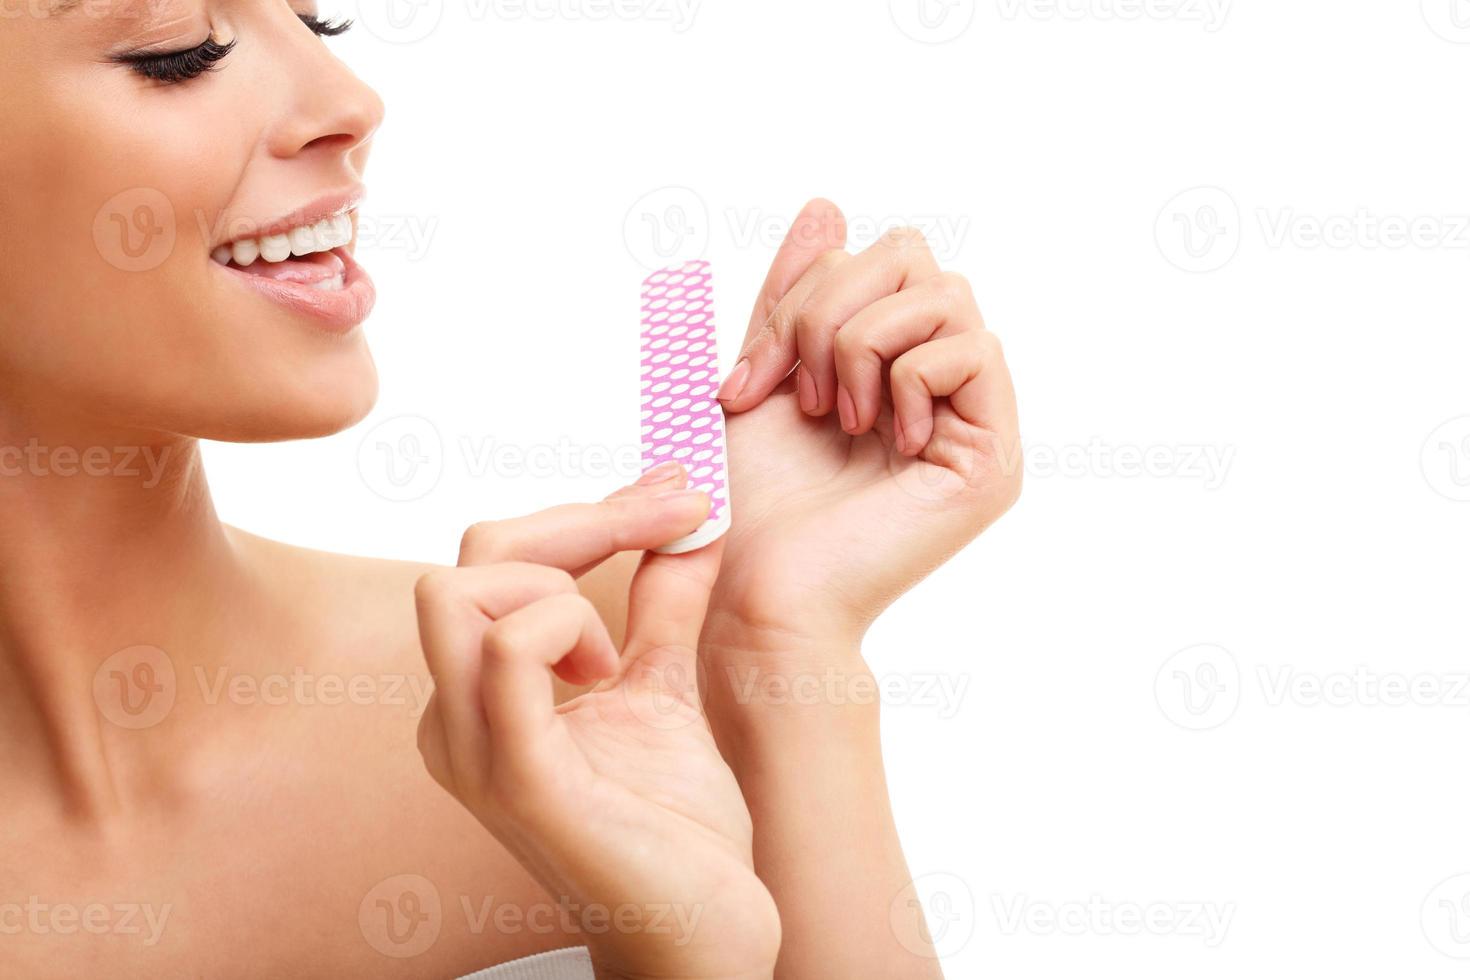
893, 445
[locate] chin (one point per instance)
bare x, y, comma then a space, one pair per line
307, 406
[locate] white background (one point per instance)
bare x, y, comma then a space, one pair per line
528, 149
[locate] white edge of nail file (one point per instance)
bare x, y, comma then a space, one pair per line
679, 368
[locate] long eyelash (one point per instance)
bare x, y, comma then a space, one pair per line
178, 66
324, 28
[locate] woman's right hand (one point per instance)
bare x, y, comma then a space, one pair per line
619, 799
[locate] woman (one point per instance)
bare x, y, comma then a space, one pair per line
179, 182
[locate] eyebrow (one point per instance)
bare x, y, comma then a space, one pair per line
63, 6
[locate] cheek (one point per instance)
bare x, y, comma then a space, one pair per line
113, 304
103, 212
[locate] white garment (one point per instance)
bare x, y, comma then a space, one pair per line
561, 964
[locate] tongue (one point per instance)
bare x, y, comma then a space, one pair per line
304, 269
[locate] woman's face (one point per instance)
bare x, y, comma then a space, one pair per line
132, 208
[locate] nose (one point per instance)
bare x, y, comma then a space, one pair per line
329, 109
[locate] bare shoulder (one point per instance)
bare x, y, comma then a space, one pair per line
359, 608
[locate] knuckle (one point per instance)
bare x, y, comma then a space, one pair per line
905, 237
500, 643
830, 259
435, 588
989, 346
955, 287
478, 541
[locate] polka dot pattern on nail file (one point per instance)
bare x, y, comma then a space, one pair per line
681, 418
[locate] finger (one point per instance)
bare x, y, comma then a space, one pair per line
559, 634
577, 537
667, 603
818, 229
967, 368
938, 307
898, 260
770, 355
454, 607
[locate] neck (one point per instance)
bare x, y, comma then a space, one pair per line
108, 543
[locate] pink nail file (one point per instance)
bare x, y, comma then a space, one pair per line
681, 419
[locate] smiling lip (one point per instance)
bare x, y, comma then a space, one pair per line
326, 206
334, 310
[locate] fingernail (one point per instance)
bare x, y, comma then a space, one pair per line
897, 435
846, 410
806, 390
661, 473
734, 384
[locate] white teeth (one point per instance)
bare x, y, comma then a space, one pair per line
322, 236
245, 251
275, 248
303, 240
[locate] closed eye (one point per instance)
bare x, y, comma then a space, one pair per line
170, 67
324, 28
